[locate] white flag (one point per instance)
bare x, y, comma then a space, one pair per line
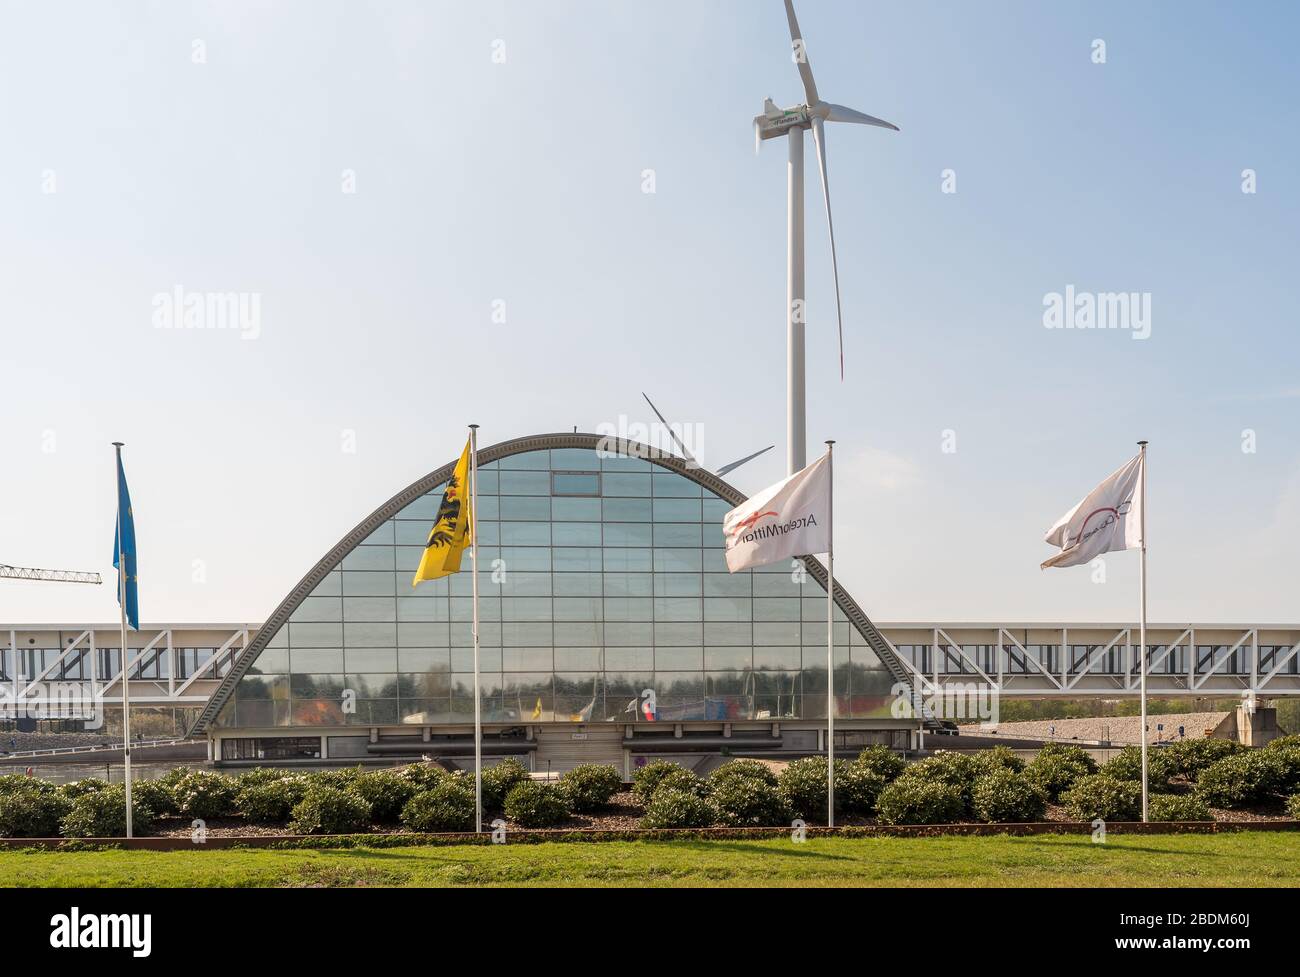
790, 518
1109, 518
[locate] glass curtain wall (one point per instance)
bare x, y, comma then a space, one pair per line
601, 578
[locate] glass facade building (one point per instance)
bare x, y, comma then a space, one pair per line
601, 579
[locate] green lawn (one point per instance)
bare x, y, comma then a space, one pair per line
1059, 860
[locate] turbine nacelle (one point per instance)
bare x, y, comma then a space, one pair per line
776, 121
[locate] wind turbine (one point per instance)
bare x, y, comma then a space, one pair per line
791, 123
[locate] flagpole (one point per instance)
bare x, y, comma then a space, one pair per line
126, 656
1142, 618
478, 702
830, 638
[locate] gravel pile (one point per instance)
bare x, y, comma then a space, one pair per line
1116, 729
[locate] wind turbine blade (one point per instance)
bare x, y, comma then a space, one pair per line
842, 113
801, 55
819, 137
736, 464
668, 427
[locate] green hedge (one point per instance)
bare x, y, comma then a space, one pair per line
1194, 756
749, 802
202, 794
499, 779
997, 758
803, 785
32, 813
1284, 743
533, 804
386, 791
674, 808
270, 802
326, 810
751, 769
883, 761
921, 800
86, 785
102, 814
1241, 780
1099, 796
1056, 768
1127, 765
589, 787
1177, 807
447, 806
1005, 795
16, 783
156, 795
645, 780
858, 787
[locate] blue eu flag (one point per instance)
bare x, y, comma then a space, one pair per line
124, 549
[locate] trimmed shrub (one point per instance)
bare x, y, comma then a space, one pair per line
920, 800
102, 814
386, 791
16, 783
1287, 761
271, 802
1099, 796
673, 808
1127, 765
1293, 806
803, 785
1004, 795
425, 776
1193, 756
326, 810
534, 804
447, 806
174, 775
1177, 807
32, 813
339, 779
998, 758
589, 786
155, 795
499, 780
87, 785
752, 769
645, 780
955, 769
742, 801
857, 788
1284, 743
679, 778
259, 775
1057, 767
1240, 780
883, 761
202, 794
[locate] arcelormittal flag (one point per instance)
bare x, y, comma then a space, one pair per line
788, 519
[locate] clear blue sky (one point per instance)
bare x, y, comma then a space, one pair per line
522, 182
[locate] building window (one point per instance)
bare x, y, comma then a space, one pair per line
271, 748
575, 483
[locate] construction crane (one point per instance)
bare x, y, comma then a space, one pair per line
56, 576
